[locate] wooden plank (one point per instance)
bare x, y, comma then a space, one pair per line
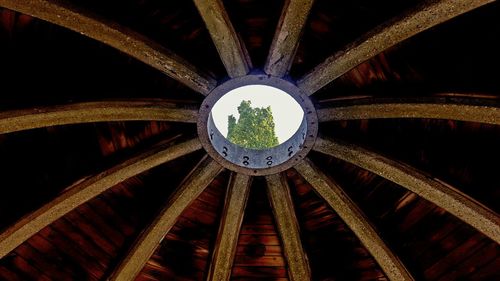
192, 186
286, 38
456, 256
87, 188
229, 230
231, 49
443, 195
270, 250
474, 263
378, 109
118, 37
333, 194
65, 246
288, 227
381, 38
259, 272
264, 261
108, 111
268, 240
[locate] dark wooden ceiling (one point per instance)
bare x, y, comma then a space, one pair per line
44, 64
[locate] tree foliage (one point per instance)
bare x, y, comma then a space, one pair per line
254, 129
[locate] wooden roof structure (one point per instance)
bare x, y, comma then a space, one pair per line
104, 177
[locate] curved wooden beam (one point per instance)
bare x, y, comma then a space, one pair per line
288, 227
339, 201
192, 186
121, 38
229, 229
19, 120
231, 49
88, 188
450, 199
437, 109
383, 37
286, 38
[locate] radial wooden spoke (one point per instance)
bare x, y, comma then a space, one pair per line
378, 108
286, 38
87, 189
437, 192
194, 184
355, 219
229, 229
231, 49
383, 37
39, 117
125, 40
284, 213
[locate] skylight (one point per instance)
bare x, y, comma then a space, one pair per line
287, 113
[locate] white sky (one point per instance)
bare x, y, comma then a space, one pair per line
287, 113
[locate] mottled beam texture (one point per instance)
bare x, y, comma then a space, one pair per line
88, 188
123, 39
437, 192
194, 184
355, 219
229, 229
39, 117
394, 109
284, 213
423, 17
231, 49
286, 38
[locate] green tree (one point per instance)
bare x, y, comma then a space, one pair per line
254, 129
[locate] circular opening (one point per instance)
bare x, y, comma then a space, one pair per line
262, 116
271, 98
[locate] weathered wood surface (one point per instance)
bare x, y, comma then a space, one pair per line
194, 184
288, 227
133, 110
118, 37
231, 49
88, 188
423, 17
286, 38
229, 229
437, 192
384, 108
355, 219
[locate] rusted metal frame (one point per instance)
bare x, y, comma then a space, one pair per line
231, 49
118, 37
288, 227
286, 38
229, 229
421, 18
383, 108
133, 110
192, 186
88, 188
340, 202
439, 193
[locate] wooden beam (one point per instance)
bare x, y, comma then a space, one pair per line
288, 227
192, 186
133, 110
355, 219
229, 229
381, 108
88, 188
121, 38
450, 199
231, 49
286, 38
421, 18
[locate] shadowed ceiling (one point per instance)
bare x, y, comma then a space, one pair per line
104, 178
